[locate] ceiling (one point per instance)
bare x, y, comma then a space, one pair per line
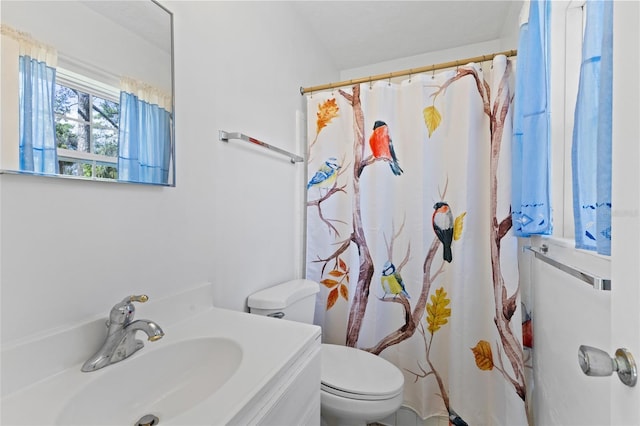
359, 33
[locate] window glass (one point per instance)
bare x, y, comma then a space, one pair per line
86, 131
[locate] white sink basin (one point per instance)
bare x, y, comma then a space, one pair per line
212, 367
163, 382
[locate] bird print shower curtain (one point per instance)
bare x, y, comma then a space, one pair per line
409, 234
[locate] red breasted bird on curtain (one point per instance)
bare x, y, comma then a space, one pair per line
382, 146
442, 221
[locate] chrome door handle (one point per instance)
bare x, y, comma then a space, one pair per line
596, 362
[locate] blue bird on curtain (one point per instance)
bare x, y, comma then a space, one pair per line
326, 174
392, 281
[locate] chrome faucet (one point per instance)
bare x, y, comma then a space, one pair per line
121, 342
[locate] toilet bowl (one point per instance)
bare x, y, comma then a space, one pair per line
357, 387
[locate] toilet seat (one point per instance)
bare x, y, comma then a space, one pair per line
356, 374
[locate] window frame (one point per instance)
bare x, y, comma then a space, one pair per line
568, 20
95, 88
567, 29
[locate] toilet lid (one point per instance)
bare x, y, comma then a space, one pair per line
357, 374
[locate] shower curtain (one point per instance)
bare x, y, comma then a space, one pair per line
409, 234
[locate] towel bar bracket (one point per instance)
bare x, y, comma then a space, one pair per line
597, 282
225, 136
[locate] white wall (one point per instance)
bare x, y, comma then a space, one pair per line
508, 40
566, 313
234, 217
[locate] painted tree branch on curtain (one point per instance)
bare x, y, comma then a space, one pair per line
424, 373
482, 86
335, 256
438, 314
327, 174
394, 236
505, 305
370, 160
365, 270
328, 111
329, 222
412, 318
411, 321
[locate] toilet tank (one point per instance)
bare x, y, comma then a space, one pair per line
294, 300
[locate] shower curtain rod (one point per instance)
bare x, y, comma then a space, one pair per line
410, 71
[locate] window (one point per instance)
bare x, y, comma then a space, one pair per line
569, 24
86, 117
567, 30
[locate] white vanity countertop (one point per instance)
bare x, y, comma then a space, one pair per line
269, 348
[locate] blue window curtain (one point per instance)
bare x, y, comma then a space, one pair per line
591, 149
530, 190
144, 152
37, 122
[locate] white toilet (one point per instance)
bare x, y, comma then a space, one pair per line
357, 387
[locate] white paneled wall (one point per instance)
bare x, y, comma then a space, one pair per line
567, 313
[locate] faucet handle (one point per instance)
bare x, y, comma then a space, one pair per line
140, 298
122, 313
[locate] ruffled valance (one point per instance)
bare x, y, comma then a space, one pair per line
31, 47
146, 92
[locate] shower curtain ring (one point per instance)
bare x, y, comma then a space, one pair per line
433, 72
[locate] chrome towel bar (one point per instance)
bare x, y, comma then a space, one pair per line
225, 136
597, 282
